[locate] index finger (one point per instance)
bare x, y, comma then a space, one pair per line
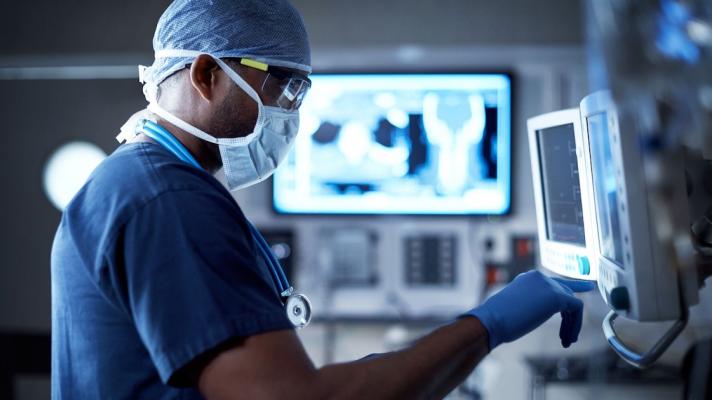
576, 285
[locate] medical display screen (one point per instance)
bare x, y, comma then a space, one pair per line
400, 144
605, 188
560, 185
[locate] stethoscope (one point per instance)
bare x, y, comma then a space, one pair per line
297, 305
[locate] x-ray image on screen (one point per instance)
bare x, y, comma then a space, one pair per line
561, 185
400, 144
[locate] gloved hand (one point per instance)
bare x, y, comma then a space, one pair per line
527, 302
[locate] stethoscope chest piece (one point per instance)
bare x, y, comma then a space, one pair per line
298, 310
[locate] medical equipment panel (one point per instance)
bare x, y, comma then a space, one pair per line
439, 275
562, 197
354, 258
408, 270
430, 260
434, 144
635, 276
349, 257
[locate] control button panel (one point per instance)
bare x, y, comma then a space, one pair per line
430, 260
565, 262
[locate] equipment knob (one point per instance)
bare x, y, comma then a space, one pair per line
619, 298
584, 266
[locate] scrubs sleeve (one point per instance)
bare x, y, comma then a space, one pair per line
192, 280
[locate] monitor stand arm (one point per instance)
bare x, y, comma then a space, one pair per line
646, 359
649, 357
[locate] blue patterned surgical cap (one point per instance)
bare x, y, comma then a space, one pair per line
270, 31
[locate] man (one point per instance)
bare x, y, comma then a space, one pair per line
161, 288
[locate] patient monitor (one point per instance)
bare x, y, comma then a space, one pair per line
562, 195
639, 276
647, 151
635, 274
596, 220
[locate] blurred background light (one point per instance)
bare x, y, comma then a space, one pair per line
67, 169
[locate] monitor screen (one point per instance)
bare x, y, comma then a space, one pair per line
400, 144
560, 185
605, 188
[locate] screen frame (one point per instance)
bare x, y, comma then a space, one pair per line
615, 211
593, 105
551, 251
650, 283
507, 73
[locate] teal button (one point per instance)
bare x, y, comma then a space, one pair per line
584, 266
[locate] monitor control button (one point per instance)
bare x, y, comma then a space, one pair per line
584, 266
619, 298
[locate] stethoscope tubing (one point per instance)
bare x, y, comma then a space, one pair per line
158, 134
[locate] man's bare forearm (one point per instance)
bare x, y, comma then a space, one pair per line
431, 368
275, 365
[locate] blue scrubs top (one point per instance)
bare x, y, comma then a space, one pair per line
154, 271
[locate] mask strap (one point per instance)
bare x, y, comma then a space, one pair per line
163, 113
239, 81
229, 71
247, 88
197, 132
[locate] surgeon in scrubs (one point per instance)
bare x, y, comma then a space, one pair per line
162, 289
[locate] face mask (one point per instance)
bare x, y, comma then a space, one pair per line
246, 160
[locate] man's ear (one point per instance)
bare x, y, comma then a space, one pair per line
204, 77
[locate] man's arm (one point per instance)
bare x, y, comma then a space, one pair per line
274, 365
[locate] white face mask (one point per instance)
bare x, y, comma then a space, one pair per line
246, 160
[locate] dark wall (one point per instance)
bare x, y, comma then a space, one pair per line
336, 23
47, 27
40, 116
77, 27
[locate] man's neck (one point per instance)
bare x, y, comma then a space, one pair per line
199, 148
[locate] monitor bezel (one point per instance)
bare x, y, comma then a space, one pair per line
547, 246
441, 71
652, 288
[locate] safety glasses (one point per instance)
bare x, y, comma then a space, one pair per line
281, 87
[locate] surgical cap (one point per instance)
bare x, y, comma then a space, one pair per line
270, 31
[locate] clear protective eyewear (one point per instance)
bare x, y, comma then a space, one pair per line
281, 87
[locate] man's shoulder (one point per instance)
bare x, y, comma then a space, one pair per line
147, 169
136, 174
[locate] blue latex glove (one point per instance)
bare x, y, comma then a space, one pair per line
527, 302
